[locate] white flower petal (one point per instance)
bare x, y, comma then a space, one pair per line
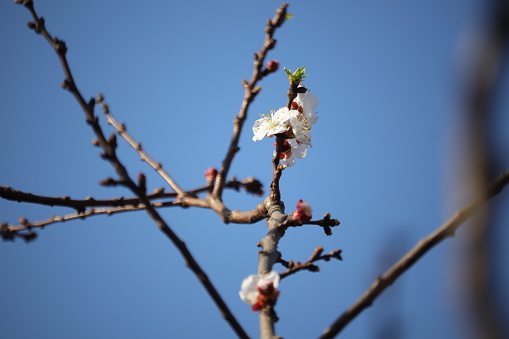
273, 277
301, 129
248, 292
299, 151
309, 103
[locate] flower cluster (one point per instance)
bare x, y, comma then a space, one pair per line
295, 122
260, 291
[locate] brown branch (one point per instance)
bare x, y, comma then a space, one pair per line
277, 171
294, 267
80, 206
423, 246
29, 225
109, 147
250, 184
250, 92
121, 205
237, 217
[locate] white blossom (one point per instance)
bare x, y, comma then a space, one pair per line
273, 123
249, 290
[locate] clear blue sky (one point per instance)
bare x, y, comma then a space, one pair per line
387, 74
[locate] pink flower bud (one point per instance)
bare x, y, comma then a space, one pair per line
210, 174
303, 213
272, 65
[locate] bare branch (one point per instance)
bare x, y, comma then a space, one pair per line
250, 92
122, 131
294, 267
423, 246
250, 184
109, 147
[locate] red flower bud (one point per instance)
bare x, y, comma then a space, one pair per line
272, 65
210, 174
303, 213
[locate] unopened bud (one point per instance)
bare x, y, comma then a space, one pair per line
303, 213
210, 174
108, 182
272, 65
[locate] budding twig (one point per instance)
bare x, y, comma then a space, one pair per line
294, 267
250, 92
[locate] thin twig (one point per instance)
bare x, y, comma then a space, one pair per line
122, 131
80, 205
381, 283
250, 92
294, 267
236, 217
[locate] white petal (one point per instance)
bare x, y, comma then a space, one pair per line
274, 277
248, 292
309, 103
259, 129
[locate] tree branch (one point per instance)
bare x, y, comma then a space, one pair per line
250, 184
294, 267
250, 92
109, 147
423, 246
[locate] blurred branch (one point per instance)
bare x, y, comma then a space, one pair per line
485, 75
109, 147
250, 92
388, 278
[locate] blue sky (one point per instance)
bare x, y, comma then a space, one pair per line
384, 161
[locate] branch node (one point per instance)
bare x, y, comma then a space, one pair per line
59, 45
112, 140
91, 104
